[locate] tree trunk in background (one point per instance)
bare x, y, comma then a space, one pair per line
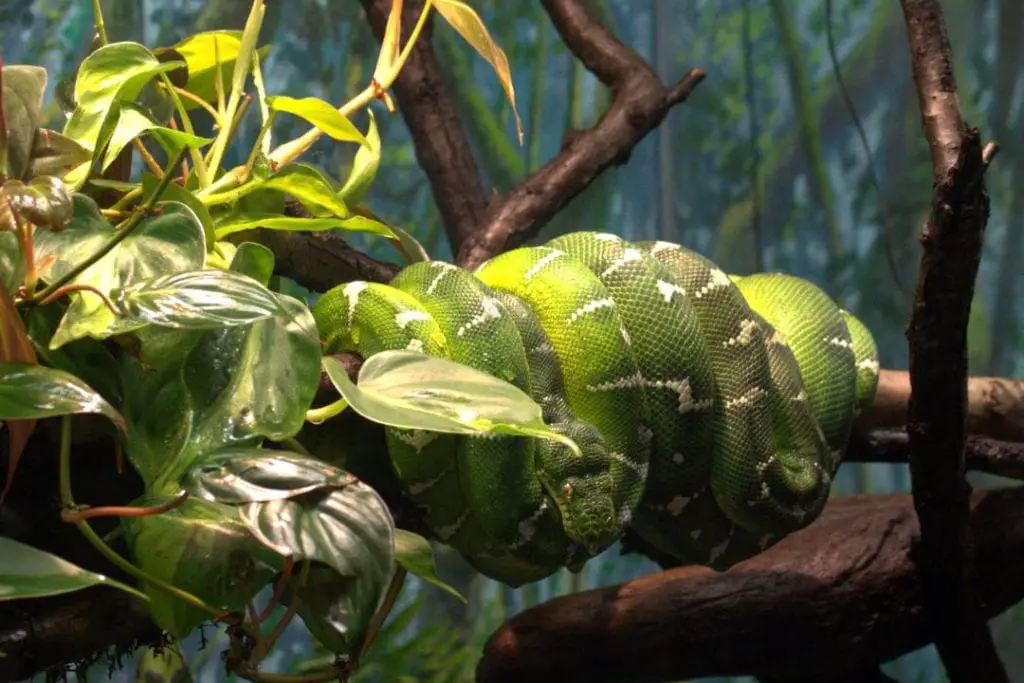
663, 61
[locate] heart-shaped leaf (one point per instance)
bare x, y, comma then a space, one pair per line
202, 548
364, 166
175, 193
349, 532
23, 89
36, 391
416, 556
321, 114
253, 475
254, 260
206, 299
28, 572
169, 242
412, 390
202, 391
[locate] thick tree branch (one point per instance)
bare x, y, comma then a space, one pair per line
442, 148
937, 334
641, 103
1001, 458
841, 595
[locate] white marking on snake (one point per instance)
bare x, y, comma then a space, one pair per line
719, 549
544, 347
528, 527
403, 318
418, 488
351, 292
607, 237
634, 381
590, 307
749, 398
718, 279
695, 534
747, 329
676, 506
667, 289
660, 246
840, 342
678, 458
445, 269
802, 396
625, 336
765, 540
489, 311
417, 438
545, 260
869, 364
628, 256
685, 392
640, 469
446, 532
777, 338
415, 345
624, 516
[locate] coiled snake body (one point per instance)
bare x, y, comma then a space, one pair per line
711, 410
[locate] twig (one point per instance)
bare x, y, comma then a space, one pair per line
951, 240
1000, 458
640, 104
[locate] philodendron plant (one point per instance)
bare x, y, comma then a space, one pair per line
123, 297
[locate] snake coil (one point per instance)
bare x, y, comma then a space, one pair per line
711, 410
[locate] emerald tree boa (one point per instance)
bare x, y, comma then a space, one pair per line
711, 410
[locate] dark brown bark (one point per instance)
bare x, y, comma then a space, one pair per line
951, 240
841, 595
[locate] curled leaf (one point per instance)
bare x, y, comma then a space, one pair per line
252, 475
321, 114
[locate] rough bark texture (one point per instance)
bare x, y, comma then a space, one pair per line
841, 595
951, 240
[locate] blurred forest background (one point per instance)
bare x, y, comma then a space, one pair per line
762, 168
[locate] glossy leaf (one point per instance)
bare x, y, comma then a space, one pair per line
252, 475
297, 224
364, 166
202, 548
306, 183
43, 201
416, 556
202, 52
321, 114
176, 193
28, 572
23, 90
471, 27
255, 260
206, 299
133, 122
12, 264
170, 242
412, 390
198, 392
349, 532
36, 391
54, 154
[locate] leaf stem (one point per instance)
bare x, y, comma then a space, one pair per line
397, 581
324, 413
68, 502
266, 645
202, 172
133, 223
101, 26
85, 512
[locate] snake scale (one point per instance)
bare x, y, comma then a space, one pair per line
711, 410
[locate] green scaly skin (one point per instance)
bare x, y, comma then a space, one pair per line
711, 410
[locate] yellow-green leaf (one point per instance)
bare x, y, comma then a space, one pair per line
321, 114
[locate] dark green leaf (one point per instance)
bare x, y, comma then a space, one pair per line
199, 300
414, 553
176, 193
202, 548
415, 391
255, 260
23, 91
252, 475
28, 572
36, 391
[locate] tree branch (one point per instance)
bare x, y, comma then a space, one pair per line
1001, 458
840, 595
640, 104
951, 239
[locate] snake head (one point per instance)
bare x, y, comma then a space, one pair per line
581, 486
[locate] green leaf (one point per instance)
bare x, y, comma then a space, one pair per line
254, 260
28, 572
197, 392
277, 222
176, 193
12, 265
202, 548
322, 115
170, 242
412, 390
36, 391
414, 553
349, 532
202, 52
166, 664
207, 299
23, 90
306, 183
364, 166
54, 154
133, 121
44, 201
253, 475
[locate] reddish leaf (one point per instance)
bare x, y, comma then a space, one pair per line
14, 345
